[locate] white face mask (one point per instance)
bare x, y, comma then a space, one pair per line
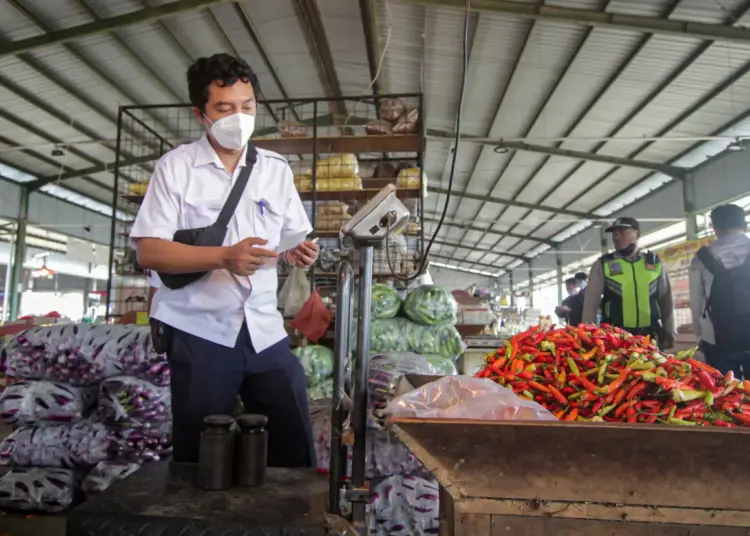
233, 131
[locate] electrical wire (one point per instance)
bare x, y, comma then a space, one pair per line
465, 68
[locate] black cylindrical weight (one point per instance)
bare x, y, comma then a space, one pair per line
216, 460
252, 449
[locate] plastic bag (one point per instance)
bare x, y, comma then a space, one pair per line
404, 505
385, 301
389, 335
291, 129
410, 178
379, 127
32, 402
443, 366
444, 340
85, 354
320, 391
84, 443
38, 490
133, 402
337, 165
313, 319
295, 292
392, 109
104, 474
317, 362
464, 397
407, 123
431, 305
141, 445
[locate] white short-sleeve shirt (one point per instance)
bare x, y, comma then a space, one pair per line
187, 191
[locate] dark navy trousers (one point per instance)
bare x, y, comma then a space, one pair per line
207, 377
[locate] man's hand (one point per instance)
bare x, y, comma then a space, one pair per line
304, 255
244, 258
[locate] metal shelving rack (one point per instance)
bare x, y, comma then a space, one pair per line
323, 127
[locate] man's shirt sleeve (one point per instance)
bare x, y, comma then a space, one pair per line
593, 293
159, 214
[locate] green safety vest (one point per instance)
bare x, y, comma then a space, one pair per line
630, 291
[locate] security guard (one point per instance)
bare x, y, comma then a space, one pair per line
631, 288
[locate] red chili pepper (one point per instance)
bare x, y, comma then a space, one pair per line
524, 375
744, 419
613, 340
558, 395
724, 424
587, 384
572, 415
621, 410
651, 419
521, 386
567, 391
636, 390
540, 387
631, 415
615, 385
599, 405
619, 396
703, 367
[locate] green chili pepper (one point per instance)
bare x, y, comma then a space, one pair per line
709, 399
573, 367
606, 409
682, 422
641, 366
600, 375
686, 395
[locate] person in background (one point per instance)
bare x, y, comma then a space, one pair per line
226, 336
631, 288
720, 293
582, 278
571, 309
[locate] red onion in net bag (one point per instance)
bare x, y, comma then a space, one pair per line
81, 444
404, 506
38, 489
31, 402
85, 354
140, 445
105, 474
133, 402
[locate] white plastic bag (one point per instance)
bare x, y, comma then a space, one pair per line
465, 397
38, 489
295, 292
32, 402
104, 474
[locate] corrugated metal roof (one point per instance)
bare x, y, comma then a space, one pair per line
599, 90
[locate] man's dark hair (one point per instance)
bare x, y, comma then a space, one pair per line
726, 217
582, 276
571, 281
222, 68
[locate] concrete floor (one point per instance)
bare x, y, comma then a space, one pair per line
18, 525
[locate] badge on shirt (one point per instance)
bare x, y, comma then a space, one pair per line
615, 268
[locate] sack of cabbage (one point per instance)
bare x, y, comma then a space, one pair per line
402, 335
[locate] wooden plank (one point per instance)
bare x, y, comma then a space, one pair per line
586, 462
537, 526
408, 143
603, 512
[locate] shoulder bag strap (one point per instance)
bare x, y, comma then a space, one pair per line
710, 262
230, 205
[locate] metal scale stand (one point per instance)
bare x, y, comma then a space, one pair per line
382, 219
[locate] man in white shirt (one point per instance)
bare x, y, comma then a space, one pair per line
719, 293
227, 337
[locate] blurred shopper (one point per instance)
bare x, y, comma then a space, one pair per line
720, 293
631, 287
571, 309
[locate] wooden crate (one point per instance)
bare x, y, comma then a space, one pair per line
584, 479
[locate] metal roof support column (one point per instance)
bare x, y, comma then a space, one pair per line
19, 256
531, 285
688, 200
559, 262
512, 290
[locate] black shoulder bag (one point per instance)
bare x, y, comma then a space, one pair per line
213, 235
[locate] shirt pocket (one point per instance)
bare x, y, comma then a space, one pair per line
268, 220
201, 212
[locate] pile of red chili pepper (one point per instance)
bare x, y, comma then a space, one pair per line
594, 373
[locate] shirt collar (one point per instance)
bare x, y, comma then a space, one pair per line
205, 154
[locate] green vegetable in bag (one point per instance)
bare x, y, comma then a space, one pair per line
317, 362
430, 305
385, 301
442, 366
389, 335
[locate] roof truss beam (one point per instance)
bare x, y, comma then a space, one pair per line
504, 146
490, 230
97, 168
599, 19
520, 204
481, 250
104, 25
492, 267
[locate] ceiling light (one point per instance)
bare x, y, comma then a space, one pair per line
58, 152
735, 146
